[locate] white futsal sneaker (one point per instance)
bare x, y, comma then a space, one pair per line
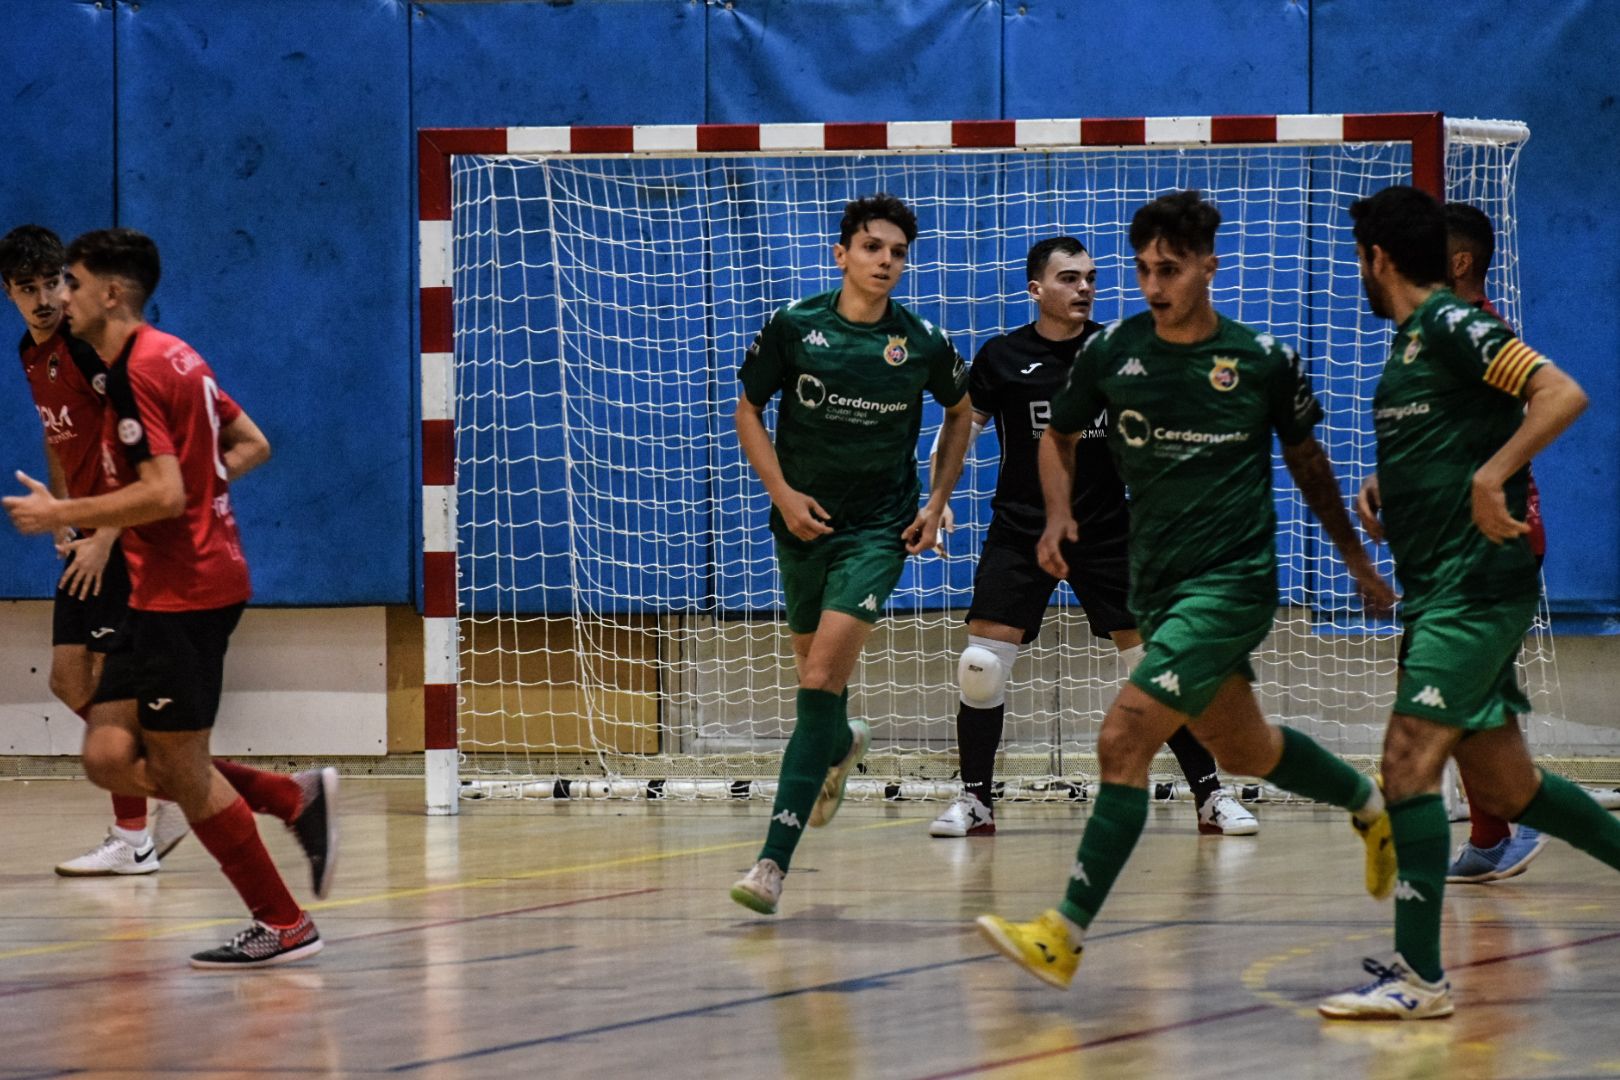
966, 816
114, 855
1396, 993
169, 826
761, 888
1223, 815
831, 796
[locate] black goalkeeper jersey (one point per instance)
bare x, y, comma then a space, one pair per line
1013, 380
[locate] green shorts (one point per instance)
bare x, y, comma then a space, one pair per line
1458, 663
1196, 641
851, 572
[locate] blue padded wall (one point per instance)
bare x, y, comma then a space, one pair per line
56, 124
1549, 66
269, 148
265, 148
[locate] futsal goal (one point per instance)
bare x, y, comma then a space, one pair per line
602, 610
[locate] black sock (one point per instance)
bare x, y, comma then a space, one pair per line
978, 736
1197, 764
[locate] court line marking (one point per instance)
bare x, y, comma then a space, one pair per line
152, 934
837, 986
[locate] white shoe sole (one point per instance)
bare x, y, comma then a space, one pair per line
280, 958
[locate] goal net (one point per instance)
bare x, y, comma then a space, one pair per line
619, 618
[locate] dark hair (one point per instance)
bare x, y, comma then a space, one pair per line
123, 253
1182, 219
879, 207
1041, 254
1471, 228
1410, 226
30, 251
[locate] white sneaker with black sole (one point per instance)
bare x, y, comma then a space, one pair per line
965, 816
169, 826
113, 856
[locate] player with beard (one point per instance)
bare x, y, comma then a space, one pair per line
1012, 383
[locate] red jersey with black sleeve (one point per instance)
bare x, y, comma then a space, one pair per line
69, 384
165, 400
1532, 506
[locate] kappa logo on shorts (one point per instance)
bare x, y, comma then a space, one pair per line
870, 603
1430, 696
1170, 681
788, 818
1405, 890
160, 704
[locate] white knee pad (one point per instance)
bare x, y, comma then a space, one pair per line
983, 669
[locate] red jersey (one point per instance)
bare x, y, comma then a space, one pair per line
165, 401
69, 384
1532, 507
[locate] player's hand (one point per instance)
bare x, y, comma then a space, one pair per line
1491, 512
923, 532
61, 537
31, 513
803, 516
82, 578
1368, 506
1377, 594
1049, 549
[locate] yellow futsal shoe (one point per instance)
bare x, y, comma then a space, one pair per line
1041, 948
1380, 843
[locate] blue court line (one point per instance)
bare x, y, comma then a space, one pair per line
875, 981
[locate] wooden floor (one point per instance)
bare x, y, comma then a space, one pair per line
584, 940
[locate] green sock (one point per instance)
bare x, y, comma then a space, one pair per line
1422, 834
1116, 823
1307, 769
804, 767
1563, 810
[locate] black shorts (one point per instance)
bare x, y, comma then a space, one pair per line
173, 664
94, 622
1009, 586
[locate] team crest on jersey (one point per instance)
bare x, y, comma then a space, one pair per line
811, 391
50, 369
1413, 347
1224, 375
894, 353
99, 384
129, 431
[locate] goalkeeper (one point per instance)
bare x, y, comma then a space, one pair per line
851, 366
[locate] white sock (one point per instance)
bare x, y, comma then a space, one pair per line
1369, 811
135, 838
1131, 657
1077, 933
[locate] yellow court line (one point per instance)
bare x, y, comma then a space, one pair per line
421, 890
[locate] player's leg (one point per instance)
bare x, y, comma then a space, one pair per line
1494, 850
114, 761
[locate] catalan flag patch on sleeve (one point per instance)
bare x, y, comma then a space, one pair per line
1512, 367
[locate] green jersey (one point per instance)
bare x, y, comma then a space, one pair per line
846, 434
1191, 430
1450, 395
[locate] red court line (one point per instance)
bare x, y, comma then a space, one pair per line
1231, 1014
143, 975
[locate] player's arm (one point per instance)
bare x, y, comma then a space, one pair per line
1055, 457
243, 447
158, 493
1552, 402
947, 519
945, 469
1313, 475
804, 517
56, 478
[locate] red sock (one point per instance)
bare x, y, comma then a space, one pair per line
1484, 831
266, 792
232, 838
129, 812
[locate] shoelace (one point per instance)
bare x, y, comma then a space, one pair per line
1382, 973
247, 935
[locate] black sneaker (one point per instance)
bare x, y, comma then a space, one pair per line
263, 946
316, 826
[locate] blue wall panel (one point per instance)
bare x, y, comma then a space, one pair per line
1551, 66
266, 149
494, 65
56, 124
775, 61
1186, 58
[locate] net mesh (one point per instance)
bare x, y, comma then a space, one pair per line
621, 612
